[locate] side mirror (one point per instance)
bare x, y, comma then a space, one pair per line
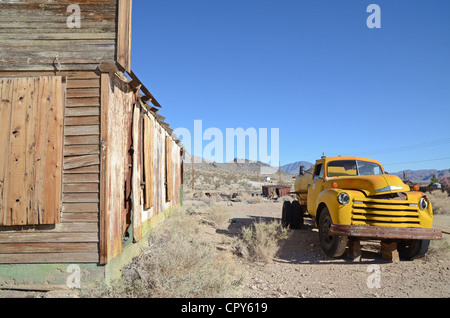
302, 170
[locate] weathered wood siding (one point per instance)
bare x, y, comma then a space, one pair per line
35, 35
81, 179
102, 198
162, 145
93, 146
122, 119
117, 119
31, 136
76, 238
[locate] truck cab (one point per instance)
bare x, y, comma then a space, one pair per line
353, 197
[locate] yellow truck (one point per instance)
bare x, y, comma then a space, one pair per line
353, 199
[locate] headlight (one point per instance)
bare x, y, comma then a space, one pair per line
343, 198
423, 204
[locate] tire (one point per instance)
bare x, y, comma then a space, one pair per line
332, 245
412, 248
297, 216
286, 214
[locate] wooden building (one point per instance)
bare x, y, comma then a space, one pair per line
86, 163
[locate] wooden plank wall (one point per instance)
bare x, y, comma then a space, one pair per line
81, 179
118, 105
163, 147
34, 33
31, 121
121, 118
76, 238
37, 41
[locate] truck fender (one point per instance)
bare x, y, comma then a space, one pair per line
328, 198
340, 214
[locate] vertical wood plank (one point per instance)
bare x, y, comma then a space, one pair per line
41, 146
124, 34
104, 219
54, 150
30, 150
17, 137
44, 150
148, 161
169, 168
6, 94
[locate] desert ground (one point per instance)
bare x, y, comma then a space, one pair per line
299, 268
226, 241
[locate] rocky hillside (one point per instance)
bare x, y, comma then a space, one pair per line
424, 176
293, 168
419, 176
235, 165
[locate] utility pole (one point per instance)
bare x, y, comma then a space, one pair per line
279, 172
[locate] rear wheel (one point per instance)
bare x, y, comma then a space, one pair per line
297, 215
411, 249
332, 245
286, 214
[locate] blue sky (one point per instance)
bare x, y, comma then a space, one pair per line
311, 68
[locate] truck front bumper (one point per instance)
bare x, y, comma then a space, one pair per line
378, 232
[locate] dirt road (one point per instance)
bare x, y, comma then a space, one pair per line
301, 269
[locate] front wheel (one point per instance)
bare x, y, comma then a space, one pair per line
332, 245
412, 248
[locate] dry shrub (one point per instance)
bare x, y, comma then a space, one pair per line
254, 200
260, 242
177, 264
440, 201
439, 247
194, 206
219, 215
97, 287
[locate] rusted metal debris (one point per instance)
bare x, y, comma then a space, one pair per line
271, 191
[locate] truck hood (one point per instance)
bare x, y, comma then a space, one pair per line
373, 185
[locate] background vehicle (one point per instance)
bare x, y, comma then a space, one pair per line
353, 198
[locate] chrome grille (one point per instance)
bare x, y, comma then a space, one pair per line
385, 212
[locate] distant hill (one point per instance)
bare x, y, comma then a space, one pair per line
423, 176
188, 159
419, 176
235, 165
293, 168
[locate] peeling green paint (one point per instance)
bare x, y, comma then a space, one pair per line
14, 275
132, 250
57, 275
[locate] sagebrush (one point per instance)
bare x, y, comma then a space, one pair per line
178, 263
440, 201
260, 241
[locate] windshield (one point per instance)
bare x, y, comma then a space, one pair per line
352, 168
